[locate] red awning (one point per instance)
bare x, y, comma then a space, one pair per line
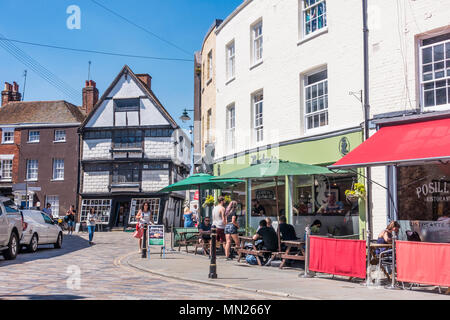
419, 141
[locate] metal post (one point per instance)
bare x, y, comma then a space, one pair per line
394, 240
212, 265
308, 233
368, 278
144, 242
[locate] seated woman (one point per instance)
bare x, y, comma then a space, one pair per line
385, 236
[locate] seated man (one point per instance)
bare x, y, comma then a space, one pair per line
269, 237
205, 231
287, 231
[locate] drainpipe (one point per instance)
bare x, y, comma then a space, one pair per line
367, 116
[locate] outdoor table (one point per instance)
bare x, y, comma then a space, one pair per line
374, 260
205, 244
184, 240
287, 255
254, 251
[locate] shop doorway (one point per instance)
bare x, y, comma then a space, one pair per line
122, 211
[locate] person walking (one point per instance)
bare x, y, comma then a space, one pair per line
92, 219
143, 217
231, 229
48, 210
219, 220
70, 218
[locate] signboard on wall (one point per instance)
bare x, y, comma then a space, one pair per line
265, 194
156, 235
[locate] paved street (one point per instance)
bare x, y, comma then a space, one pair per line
51, 274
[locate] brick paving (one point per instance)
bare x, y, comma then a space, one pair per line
49, 274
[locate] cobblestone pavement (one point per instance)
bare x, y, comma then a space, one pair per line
52, 274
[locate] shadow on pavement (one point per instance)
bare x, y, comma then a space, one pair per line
70, 244
44, 297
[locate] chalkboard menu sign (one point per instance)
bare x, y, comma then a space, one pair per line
265, 194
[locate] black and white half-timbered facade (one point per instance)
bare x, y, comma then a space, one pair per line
130, 149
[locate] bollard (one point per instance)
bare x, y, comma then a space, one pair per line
212, 265
144, 242
394, 238
368, 274
308, 233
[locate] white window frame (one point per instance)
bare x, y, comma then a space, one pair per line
304, 9
60, 136
58, 169
307, 86
33, 134
102, 207
2, 168
257, 42
32, 172
54, 201
231, 127
433, 80
231, 60
136, 204
258, 116
9, 131
210, 66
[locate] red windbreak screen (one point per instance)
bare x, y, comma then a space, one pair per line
401, 143
423, 262
339, 257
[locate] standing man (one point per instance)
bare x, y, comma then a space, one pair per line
48, 210
219, 220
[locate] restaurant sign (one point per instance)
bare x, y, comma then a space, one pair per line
429, 231
156, 235
437, 191
265, 194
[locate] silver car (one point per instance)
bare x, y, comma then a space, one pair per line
11, 225
40, 229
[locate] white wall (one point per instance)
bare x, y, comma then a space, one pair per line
156, 148
97, 181
97, 149
284, 60
154, 180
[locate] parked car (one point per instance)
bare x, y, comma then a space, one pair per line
11, 226
40, 229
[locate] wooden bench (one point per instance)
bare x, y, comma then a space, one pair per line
254, 251
288, 254
186, 237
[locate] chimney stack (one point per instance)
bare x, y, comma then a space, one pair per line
146, 79
11, 93
90, 96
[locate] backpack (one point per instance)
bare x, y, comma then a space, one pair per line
251, 259
412, 236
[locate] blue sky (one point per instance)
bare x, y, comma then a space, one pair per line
182, 22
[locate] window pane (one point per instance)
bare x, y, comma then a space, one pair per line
438, 52
426, 55
429, 98
441, 96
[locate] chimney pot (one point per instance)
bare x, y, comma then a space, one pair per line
146, 79
90, 96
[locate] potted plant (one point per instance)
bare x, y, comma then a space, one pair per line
209, 201
358, 191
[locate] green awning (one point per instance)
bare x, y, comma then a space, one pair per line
275, 169
200, 181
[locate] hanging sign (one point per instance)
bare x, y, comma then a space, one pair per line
265, 194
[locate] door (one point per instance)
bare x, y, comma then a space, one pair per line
49, 229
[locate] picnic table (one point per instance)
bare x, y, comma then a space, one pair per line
254, 251
187, 238
288, 254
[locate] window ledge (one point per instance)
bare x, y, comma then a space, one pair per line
61, 141
53, 180
31, 180
313, 35
33, 142
10, 142
230, 80
6, 180
256, 64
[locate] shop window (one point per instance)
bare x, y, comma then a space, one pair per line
435, 70
102, 208
136, 205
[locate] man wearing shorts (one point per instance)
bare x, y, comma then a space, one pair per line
219, 221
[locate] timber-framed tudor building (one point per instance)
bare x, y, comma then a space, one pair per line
130, 149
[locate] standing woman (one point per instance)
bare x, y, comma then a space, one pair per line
143, 217
92, 219
71, 219
231, 229
188, 218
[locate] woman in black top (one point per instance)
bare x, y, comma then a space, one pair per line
231, 229
70, 216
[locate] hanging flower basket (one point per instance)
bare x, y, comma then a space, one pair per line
209, 202
358, 191
352, 197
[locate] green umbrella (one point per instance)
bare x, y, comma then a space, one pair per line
200, 181
275, 169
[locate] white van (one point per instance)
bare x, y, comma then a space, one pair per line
40, 229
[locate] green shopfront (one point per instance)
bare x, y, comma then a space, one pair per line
302, 199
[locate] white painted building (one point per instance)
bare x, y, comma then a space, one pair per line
131, 149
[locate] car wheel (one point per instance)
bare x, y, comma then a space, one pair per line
13, 247
58, 243
32, 247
